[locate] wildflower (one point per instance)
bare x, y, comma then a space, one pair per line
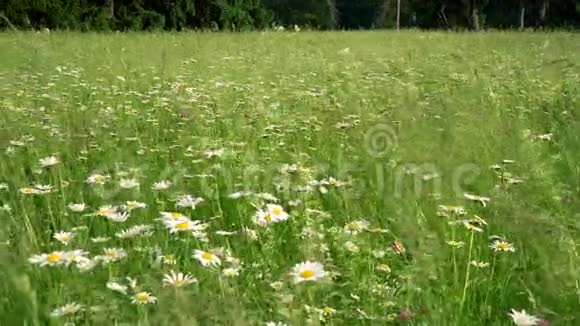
100, 239
67, 310
326, 312
184, 225
456, 244
131, 205
112, 255
188, 201
86, 264
75, 256
356, 227
128, 183
275, 323
48, 162
240, 194
445, 210
29, 191
351, 247
3, 186
231, 272
521, 318
178, 279
379, 254
117, 287
267, 196
500, 245
161, 185
135, 231
383, 268
251, 234
472, 225
172, 215
54, 258
77, 208
482, 200
118, 217
479, 264
43, 189
308, 271
107, 210
207, 258
63, 237
277, 212
545, 137
225, 233
97, 179
276, 285
143, 298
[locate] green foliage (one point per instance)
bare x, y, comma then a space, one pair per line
260, 14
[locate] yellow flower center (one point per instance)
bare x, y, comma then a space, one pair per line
182, 225
268, 218
354, 227
142, 297
69, 310
176, 215
207, 256
277, 211
99, 178
28, 190
503, 246
327, 310
179, 282
54, 257
307, 273
64, 238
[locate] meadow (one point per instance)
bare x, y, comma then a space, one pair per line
282, 178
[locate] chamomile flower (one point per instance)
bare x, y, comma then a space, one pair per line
231, 272
131, 205
118, 217
500, 245
117, 287
75, 256
482, 200
207, 258
43, 189
522, 318
77, 208
383, 268
172, 215
48, 161
29, 191
63, 237
100, 239
277, 212
142, 298
356, 227
351, 247
98, 179
178, 279
264, 218
54, 258
67, 310
135, 231
308, 272
188, 201
107, 210
128, 183
111, 255
161, 185
479, 264
184, 225
456, 244
86, 264
446, 210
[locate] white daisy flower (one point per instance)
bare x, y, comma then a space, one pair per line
178, 279
184, 225
43, 189
86, 264
240, 194
480, 199
54, 258
500, 245
77, 208
188, 201
356, 227
107, 210
112, 255
308, 271
522, 318
351, 247
100, 239
118, 217
117, 287
75, 256
128, 183
99, 179
231, 272
142, 298
48, 161
131, 205
135, 231
479, 264
29, 191
207, 258
277, 212
63, 237
267, 196
67, 310
172, 215
161, 185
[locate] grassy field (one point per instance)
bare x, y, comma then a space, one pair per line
428, 178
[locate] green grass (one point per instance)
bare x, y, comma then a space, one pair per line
410, 105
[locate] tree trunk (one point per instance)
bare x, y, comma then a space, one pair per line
381, 16
398, 14
522, 15
333, 12
111, 9
474, 15
543, 12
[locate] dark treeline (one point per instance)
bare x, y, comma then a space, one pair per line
259, 14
